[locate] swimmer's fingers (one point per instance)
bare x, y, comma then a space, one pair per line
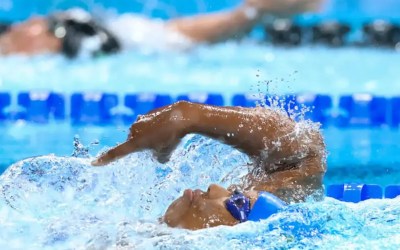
115, 153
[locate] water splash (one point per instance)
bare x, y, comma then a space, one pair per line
62, 202
266, 96
80, 150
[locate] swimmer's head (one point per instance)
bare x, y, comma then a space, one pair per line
35, 30
197, 209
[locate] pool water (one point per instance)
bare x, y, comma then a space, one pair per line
355, 155
58, 202
53, 202
227, 68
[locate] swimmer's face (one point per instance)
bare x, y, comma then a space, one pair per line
197, 209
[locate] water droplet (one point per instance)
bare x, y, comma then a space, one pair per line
95, 142
80, 151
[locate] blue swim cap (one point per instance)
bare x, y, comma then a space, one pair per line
266, 205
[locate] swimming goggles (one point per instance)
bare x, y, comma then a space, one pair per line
79, 36
238, 206
266, 205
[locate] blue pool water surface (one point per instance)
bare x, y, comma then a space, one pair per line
53, 202
355, 155
227, 68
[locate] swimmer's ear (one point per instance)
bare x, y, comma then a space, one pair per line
115, 153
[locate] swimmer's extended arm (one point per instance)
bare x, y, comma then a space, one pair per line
162, 129
215, 27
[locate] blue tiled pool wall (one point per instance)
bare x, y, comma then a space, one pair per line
355, 110
22, 9
347, 10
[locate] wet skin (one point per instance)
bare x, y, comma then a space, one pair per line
196, 209
288, 160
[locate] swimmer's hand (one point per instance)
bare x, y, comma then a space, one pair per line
114, 153
159, 131
285, 7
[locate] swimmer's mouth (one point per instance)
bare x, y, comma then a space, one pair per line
192, 195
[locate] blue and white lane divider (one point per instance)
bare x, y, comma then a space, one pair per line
377, 33
354, 192
357, 110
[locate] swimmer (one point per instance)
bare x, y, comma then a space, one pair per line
75, 33
288, 160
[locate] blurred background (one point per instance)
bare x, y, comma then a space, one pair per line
341, 62
353, 11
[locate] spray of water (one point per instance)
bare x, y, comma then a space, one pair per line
53, 202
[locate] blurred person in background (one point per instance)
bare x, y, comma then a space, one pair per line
75, 33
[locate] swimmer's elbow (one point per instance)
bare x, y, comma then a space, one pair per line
182, 104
